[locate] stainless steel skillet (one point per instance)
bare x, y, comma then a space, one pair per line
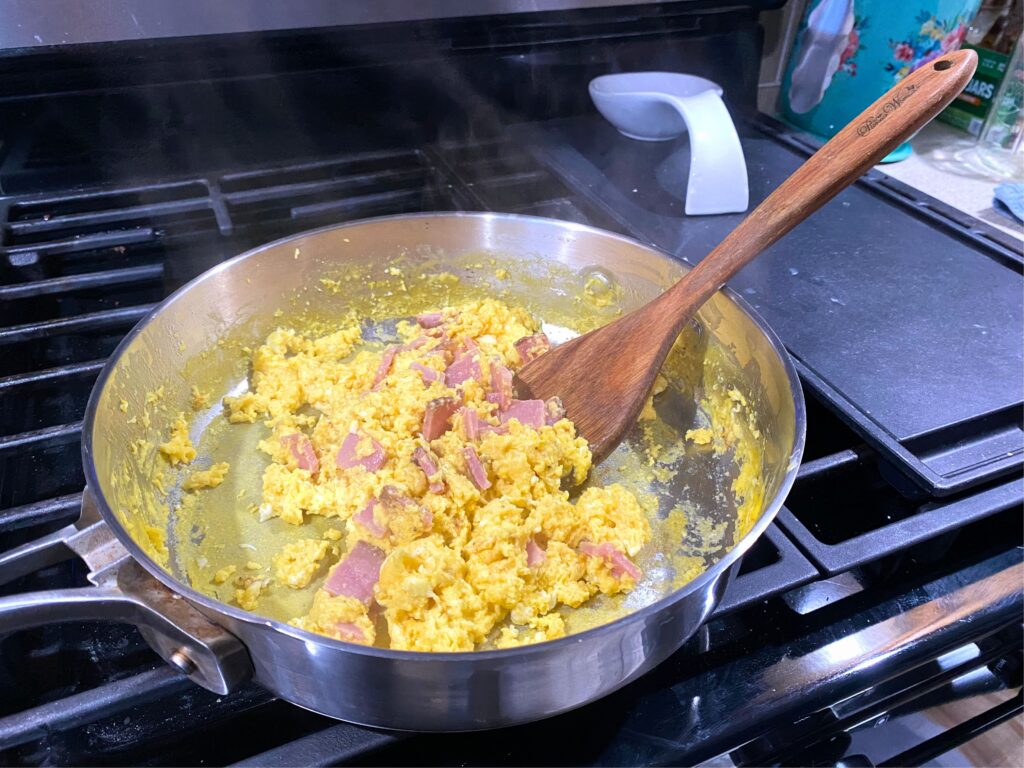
219, 645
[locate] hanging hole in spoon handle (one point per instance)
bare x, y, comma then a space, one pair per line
942, 66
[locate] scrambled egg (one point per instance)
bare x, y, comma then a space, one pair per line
457, 520
224, 574
207, 478
249, 590
178, 449
199, 399
157, 541
298, 562
701, 436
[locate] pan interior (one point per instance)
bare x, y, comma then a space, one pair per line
701, 498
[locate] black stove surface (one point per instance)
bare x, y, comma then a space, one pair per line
860, 558
867, 297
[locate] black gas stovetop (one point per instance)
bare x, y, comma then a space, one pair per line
889, 584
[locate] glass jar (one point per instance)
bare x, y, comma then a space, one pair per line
1000, 145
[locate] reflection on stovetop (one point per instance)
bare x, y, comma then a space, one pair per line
858, 546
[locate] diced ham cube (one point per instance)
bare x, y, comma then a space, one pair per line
501, 384
302, 451
488, 429
426, 462
554, 411
350, 633
429, 375
529, 413
471, 423
532, 347
366, 519
445, 348
477, 473
385, 366
396, 502
463, 369
591, 549
416, 343
357, 574
429, 466
393, 499
621, 565
347, 457
467, 347
429, 319
535, 555
437, 417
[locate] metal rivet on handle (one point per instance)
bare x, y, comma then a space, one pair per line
181, 660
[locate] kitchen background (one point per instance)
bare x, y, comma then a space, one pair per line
946, 163
130, 161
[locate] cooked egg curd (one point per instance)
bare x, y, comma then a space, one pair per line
378, 482
454, 498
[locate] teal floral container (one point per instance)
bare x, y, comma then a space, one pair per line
849, 52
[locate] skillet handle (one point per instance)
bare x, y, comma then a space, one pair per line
206, 652
36, 554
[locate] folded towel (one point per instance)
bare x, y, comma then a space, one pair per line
1010, 200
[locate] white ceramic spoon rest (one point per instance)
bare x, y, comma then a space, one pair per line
658, 106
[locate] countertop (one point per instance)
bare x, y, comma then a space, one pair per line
943, 166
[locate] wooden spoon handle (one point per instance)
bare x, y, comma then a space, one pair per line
873, 134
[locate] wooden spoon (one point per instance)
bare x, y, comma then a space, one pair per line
604, 376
